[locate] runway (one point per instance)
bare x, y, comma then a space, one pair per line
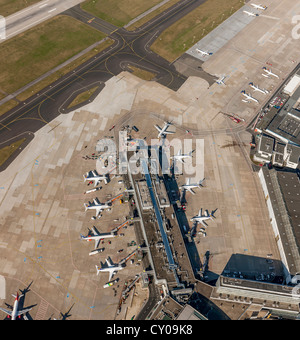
129, 48
35, 14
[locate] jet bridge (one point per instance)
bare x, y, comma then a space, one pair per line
172, 264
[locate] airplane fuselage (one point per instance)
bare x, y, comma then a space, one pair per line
249, 97
163, 131
204, 53
263, 8
256, 88
200, 218
15, 309
251, 14
98, 237
270, 73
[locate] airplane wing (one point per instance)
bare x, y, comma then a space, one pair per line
108, 261
157, 128
111, 274
97, 241
96, 201
23, 311
95, 231
190, 190
98, 211
203, 223
6, 311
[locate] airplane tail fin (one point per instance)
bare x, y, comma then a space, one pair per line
98, 270
17, 296
201, 181
213, 213
85, 206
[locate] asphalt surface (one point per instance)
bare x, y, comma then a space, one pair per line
129, 48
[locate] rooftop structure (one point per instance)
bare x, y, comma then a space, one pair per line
282, 194
286, 127
262, 294
280, 120
292, 85
144, 195
161, 193
190, 313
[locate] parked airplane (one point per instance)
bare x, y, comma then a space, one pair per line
95, 177
97, 237
251, 14
221, 81
269, 73
259, 7
256, 88
203, 53
163, 131
249, 97
111, 268
180, 157
15, 312
99, 207
201, 218
188, 186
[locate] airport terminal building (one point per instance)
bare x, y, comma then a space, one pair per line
277, 150
278, 127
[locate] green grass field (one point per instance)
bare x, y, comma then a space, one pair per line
8, 7
179, 37
27, 56
118, 12
7, 151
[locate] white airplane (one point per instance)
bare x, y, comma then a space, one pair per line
259, 7
188, 186
249, 97
200, 218
15, 313
251, 14
99, 207
97, 237
203, 53
95, 177
180, 157
163, 131
256, 88
269, 73
221, 81
111, 268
